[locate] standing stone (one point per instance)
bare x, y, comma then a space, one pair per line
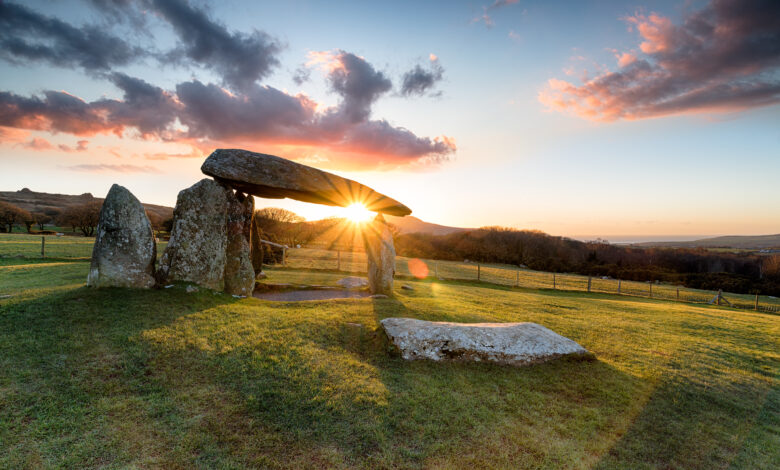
239, 275
381, 256
196, 250
256, 247
125, 251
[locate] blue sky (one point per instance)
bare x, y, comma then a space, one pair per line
482, 146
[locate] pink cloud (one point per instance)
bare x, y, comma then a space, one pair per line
723, 58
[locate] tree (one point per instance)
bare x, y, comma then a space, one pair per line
85, 217
277, 214
42, 219
11, 215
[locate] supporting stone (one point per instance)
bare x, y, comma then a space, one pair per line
124, 252
256, 247
380, 251
196, 249
239, 275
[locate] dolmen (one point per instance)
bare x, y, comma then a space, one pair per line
516, 344
215, 241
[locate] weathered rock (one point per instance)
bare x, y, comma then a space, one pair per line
196, 249
506, 343
273, 177
352, 282
380, 252
256, 248
124, 252
239, 275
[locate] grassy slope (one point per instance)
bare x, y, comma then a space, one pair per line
162, 378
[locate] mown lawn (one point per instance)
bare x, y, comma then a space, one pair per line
120, 378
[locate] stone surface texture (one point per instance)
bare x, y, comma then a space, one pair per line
269, 176
505, 343
352, 282
124, 252
256, 248
196, 249
239, 274
380, 252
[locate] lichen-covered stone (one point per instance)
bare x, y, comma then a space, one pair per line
124, 251
239, 275
198, 243
505, 343
269, 176
380, 252
256, 247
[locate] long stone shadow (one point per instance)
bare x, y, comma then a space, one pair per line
324, 385
68, 356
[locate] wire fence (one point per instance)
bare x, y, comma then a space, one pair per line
506, 275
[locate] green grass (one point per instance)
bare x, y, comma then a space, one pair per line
121, 378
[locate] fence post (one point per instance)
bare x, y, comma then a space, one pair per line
678, 293
651, 289
720, 293
338, 260
554, 281
517, 278
588, 283
284, 256
436, 269
756, 302
619, 281
43, 247
478, 273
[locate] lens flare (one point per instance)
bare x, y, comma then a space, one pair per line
418, 268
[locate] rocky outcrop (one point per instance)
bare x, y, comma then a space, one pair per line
124, 252
273, 177
380, 252
506, 343
239, 275
198, 243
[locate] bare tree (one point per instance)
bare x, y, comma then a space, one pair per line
10, 215
85, 217
42, 219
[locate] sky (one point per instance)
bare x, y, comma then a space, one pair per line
613, 119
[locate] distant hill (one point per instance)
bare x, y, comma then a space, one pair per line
409, 224
54, 203
745, 242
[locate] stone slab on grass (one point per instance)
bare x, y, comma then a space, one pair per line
515, 344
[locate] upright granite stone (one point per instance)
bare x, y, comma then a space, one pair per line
273, 177
196, 250
256, 247
505, 343
124, 251
380, 252
239, 275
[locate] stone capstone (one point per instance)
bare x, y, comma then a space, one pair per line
198, 243
239, 274
505, 343
380, 252
269, 176
124, 252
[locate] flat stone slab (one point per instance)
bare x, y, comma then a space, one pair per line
515, 344
269, 176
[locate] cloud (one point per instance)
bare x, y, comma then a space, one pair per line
240, 58
358, 83
103, 168
722, 58
81, 146
418, 81
485, 17
37, 143
26, 35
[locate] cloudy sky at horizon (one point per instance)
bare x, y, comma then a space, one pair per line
614, 119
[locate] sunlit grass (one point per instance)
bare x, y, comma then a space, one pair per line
163, 378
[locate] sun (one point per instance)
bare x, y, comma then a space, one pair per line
357, 213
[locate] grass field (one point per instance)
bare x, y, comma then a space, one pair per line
120, 378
